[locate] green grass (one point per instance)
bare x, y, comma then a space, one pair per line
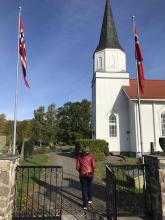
35, 160
100, 167
25, 179
129, 161
64, 149
100, 170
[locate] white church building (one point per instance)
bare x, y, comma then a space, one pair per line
114, 98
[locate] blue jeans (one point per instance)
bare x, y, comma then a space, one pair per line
86, 186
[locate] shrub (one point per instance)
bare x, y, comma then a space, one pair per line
96, 146
43, 150
99, 156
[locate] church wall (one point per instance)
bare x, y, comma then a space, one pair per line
132, 125
151, 126
158, 108
94, 110
111, 99
147, 126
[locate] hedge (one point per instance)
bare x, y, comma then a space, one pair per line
96, 146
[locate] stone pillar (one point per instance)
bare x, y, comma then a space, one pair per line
7, 186
155, 186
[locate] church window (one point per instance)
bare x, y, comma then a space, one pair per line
99, 63
163, 123
112, 63
112, 126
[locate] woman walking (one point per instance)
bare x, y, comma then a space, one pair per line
85, 165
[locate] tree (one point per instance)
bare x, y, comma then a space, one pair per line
24, 130
50, 123
74, 121
39, 125
3, 122
24, 134
9, 132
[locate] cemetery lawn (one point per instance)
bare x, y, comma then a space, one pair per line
101, 166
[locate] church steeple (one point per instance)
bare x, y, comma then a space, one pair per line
108, 36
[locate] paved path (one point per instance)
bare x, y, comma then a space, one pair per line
72, 204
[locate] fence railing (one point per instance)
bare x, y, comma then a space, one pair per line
128, 184
111, 194
38, 192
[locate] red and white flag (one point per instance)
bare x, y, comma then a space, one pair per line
139, 59
22, 51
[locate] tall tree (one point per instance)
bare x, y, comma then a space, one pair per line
24, 130
3, 122
74, 121
50, 122
39, 125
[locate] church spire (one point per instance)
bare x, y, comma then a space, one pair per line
108, 36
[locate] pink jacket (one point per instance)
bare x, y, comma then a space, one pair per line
85, 164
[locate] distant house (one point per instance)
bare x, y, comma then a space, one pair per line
114, 98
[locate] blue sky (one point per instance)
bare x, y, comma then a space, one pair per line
61, 36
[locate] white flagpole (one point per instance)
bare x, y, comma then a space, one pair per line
16, 91
139, 111
139, 101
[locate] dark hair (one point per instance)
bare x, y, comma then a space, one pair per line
86, 149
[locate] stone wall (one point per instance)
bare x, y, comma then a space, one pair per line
7, 186
155, 186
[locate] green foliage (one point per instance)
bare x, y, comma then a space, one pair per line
2, 124
44, 126
9, 132
28, 148
24, 131
50, 125
39, 124
74, 121
101, 170
99, 156
48, 128
99, 148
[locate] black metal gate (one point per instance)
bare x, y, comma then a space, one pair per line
38, 192
125, 191
111, 194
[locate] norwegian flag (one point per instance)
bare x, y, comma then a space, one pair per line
139, 58
22, 52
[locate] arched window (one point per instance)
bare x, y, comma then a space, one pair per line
99, 63
112, 62
112, 126
163, 123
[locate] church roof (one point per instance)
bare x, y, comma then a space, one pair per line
153, 89
108, 36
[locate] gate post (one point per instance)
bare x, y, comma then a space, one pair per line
7, 185
155, 186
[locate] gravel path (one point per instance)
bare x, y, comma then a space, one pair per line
72, 204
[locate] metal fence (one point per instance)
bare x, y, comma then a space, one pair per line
126, 185
111, 194
38, 192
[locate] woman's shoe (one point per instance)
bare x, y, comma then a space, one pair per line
89, 202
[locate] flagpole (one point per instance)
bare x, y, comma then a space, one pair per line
139, 111
16, 91
139, 101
